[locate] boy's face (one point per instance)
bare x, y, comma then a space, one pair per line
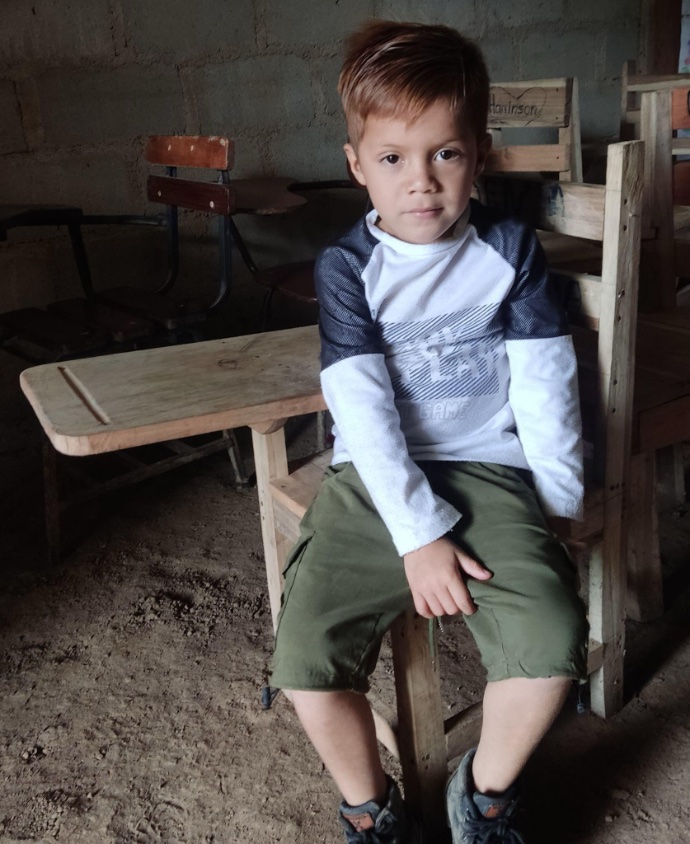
419, 175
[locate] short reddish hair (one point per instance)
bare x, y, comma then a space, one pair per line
400, 69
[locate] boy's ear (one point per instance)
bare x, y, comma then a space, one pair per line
353, 163
483, 150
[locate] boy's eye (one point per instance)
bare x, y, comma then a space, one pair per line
447, 154
392, 158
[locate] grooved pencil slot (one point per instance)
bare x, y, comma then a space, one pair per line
84, 395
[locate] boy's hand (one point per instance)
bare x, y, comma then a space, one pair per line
560, 527
435, 574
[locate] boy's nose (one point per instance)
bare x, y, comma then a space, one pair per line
422, 178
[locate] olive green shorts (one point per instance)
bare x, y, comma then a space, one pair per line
345, 583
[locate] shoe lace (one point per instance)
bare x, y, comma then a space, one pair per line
492, 831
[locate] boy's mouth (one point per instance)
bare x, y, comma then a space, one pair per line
425, 212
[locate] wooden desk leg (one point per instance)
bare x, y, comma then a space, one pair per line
607, 585
420, 722
270, 458
51, 502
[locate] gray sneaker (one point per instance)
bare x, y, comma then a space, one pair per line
374, 824
476, 818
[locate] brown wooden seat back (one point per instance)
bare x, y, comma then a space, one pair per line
530, 105
215, 153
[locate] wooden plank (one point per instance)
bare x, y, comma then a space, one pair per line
537, 103
286, 523
529, 158
664, 425
584, 299
297, 491
271, 462
657, 281
462, 730
571, 135
566, 208
186, 193
161, 394
385, 733
213, 151
680, 146
660, 31
615, 361
420, 721
649, 82
645, 588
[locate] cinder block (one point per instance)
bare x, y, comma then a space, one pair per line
622, 12
518, 13
577, 52
11, 129
620, 45
97, 185
310, 154
301, 22
183, 28
501, 58
600, 105
324, 74
47, 32
90, 107
269, 92
460, 14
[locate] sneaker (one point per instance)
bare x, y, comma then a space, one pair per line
476, 818
374, 824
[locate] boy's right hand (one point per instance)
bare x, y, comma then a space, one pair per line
435, 574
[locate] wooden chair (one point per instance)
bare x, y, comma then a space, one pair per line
536, 105
223, 198
655, 108
603, 312
295, 280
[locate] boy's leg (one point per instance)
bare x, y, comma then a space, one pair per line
531, 630
344, 586
517, 714
340, 725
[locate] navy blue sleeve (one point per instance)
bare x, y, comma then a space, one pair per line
534, 308
345, 322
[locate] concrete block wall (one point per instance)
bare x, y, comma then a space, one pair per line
82, 84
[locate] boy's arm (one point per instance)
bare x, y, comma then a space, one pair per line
360, 396
543, 390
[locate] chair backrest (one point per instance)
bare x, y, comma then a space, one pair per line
655, 108
602, 308
207, 153
538, 104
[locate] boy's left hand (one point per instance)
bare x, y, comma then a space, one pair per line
436, 574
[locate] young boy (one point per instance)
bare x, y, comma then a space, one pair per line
449, 371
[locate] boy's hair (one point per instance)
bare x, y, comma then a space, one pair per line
400, 69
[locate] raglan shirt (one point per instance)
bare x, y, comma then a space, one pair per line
456, 350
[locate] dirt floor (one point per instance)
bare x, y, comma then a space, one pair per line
130, 680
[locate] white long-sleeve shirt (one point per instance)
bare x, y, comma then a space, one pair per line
456, 350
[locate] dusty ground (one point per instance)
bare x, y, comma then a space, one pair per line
130, 683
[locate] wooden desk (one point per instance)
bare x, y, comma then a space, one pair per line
96, 405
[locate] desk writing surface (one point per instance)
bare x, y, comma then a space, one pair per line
94, 405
